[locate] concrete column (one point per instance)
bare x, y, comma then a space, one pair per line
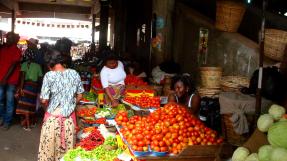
13, 21
163, 10
104, 22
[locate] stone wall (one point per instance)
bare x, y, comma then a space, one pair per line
236, 54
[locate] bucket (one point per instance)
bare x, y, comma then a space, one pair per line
210, 77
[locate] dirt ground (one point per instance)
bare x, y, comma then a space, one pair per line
17, 144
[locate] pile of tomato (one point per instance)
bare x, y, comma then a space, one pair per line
94, 140
121, 118
167, 129
95, 121
134, 80
144, 101
87, 112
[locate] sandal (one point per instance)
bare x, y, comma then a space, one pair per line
27, 129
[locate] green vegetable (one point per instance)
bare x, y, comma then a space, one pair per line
99, 154
264, 122
277, 111
240, 154
252, 157
277, 134
264, 152
279, 154
110, 140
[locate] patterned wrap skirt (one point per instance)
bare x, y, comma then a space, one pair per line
27, 102
116, 91
58, 135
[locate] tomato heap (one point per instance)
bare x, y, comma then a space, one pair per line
121, 118
95, 121
144, 101
168, 129
134, 80
87, 112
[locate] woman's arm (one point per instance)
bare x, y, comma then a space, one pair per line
114, 102
171, 97
79, 97
195, 104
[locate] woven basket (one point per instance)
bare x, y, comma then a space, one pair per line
228, 131
210, 77
275, 43
233, 83
208, 92
229, 15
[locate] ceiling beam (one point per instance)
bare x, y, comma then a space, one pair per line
23, 6
4, 8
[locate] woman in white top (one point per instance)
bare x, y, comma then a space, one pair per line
184, 93
113, 79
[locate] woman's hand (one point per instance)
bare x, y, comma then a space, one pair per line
115, 103
45, 103
19, 93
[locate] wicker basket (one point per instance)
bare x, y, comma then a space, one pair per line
275, 43
210, 77
209, 92
229, 15
228, 131
233, 83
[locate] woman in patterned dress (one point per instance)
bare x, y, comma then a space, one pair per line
61, 89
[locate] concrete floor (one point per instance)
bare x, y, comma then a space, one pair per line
17, 144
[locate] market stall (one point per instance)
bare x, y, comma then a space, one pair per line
143, 127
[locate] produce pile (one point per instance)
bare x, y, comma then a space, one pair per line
87, 112
95, 121
134, 80
96, 83
99, 153
275, 124
94, 140
144, 101
109, 112
89, 97
168, 129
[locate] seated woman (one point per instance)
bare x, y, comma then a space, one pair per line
184, 93
113, 79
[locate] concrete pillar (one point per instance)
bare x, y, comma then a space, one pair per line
104, 22
162, 10
13, 21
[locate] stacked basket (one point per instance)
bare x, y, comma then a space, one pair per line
275, 43
229, 15
210, 81
233, 83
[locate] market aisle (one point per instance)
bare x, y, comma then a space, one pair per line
19, 145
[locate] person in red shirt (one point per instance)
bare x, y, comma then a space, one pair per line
10, 58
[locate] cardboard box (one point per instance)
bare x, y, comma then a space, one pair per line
256, 140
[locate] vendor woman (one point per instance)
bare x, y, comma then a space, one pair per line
184, 93
113, 79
